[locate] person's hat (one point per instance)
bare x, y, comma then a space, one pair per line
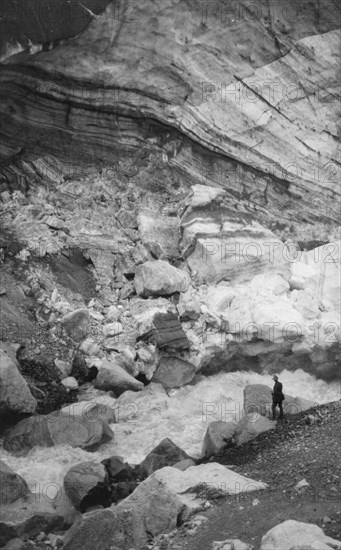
275, 377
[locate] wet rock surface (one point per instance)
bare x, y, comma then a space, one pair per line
71, 425
173, 372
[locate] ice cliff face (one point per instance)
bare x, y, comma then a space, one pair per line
231, 95
202, 135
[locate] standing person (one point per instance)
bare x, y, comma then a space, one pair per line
277, 398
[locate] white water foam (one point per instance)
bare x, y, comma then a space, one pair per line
180, 416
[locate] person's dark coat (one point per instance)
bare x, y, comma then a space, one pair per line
277, 394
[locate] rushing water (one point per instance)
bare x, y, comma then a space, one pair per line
182, 416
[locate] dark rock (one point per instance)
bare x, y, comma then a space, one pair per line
45, 383
119, 470
167, 332
76, 324
87, 484
173, 372
122, 490
218, 434
12, 485
149, 511
80, 369
166, 453
123, 477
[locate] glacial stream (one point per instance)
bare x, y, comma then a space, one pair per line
183, 416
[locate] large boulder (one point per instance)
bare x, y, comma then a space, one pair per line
109, 528
250, 426
167, 332
207, 481
111, 376
150, 510
15, 395
218, 434
77, 425
158, 323
101, 405
292, 535
258, 399
173, 372
27, 517
159, 507
87, 484
166, 453
159, 278
76, 324
12, 486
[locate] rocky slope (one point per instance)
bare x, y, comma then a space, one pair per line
300, 461
107, 144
